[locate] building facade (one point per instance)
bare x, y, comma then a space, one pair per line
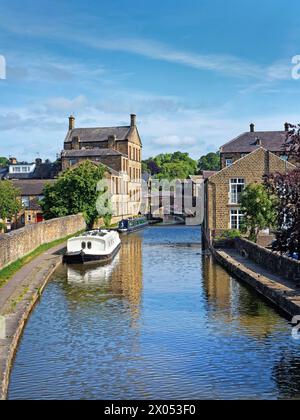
246, 143
119, 149
223, 189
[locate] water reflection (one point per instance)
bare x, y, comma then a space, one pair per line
162, 321
236, 304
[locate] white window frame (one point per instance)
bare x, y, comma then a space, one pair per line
228, 162
239, 217
234, 194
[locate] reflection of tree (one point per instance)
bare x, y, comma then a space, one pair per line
235, 301
287, 376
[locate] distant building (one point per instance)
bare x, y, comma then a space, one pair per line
223, 189
117, 148
34, 170
246, 143
30, 179
31, 193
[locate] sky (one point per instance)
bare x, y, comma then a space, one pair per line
196, 73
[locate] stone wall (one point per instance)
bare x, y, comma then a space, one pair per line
273, 261
18, 243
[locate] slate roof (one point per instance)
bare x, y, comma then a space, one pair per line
98, 134
247, 142
32, 187
90, 153
42, 171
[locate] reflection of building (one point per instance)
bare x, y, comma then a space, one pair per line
233, 301
128, 275
121, 278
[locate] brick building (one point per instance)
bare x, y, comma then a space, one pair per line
223, 189
119, 149
247, 142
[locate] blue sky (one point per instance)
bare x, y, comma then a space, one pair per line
195, 72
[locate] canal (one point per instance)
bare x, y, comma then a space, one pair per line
162, 322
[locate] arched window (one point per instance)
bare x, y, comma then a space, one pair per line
89, 245
83, 245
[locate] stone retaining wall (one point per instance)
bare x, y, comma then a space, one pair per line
18, 243
273, 261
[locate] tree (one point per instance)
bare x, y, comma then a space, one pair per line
209, 162
171, 166
258, 207
10, 203
286, 187
74, 192
3, 162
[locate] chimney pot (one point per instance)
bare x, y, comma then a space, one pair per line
252, 128
71, 122
133, 120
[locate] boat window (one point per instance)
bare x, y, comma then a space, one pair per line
89, 245
83, 245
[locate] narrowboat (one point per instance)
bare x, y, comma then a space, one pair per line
92, 246
130, 225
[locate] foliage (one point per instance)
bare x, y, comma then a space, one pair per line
287, 189
74, 192
10, 203
171, 166
3, 162
292, 144
209, 162
228, 234
258, 207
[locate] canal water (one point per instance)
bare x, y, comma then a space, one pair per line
162, 322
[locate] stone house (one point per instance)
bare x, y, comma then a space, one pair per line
248, 142
31, 192
119, 149
223, 189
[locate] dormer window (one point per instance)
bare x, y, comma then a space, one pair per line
228, 161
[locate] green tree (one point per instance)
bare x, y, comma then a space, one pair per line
209, 162
3, 162
259, 209
74, 192
10, 203
171, 166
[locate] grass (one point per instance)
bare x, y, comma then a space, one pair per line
8, 272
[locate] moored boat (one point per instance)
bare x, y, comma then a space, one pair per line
130, 225
95, 245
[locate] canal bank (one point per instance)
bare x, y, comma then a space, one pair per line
164, 321
17, 299
281, 292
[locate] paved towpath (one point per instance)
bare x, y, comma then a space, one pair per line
17, 298
285, 294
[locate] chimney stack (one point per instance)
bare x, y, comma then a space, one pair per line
252, 127
13, 161
132, 120
286, 127
71, 122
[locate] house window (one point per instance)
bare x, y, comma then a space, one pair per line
237, 186
72, 162
284, 157
25, 201
236, 218
228, 161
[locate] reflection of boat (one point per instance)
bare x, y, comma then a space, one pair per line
93, 276
95, 245
130, 225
